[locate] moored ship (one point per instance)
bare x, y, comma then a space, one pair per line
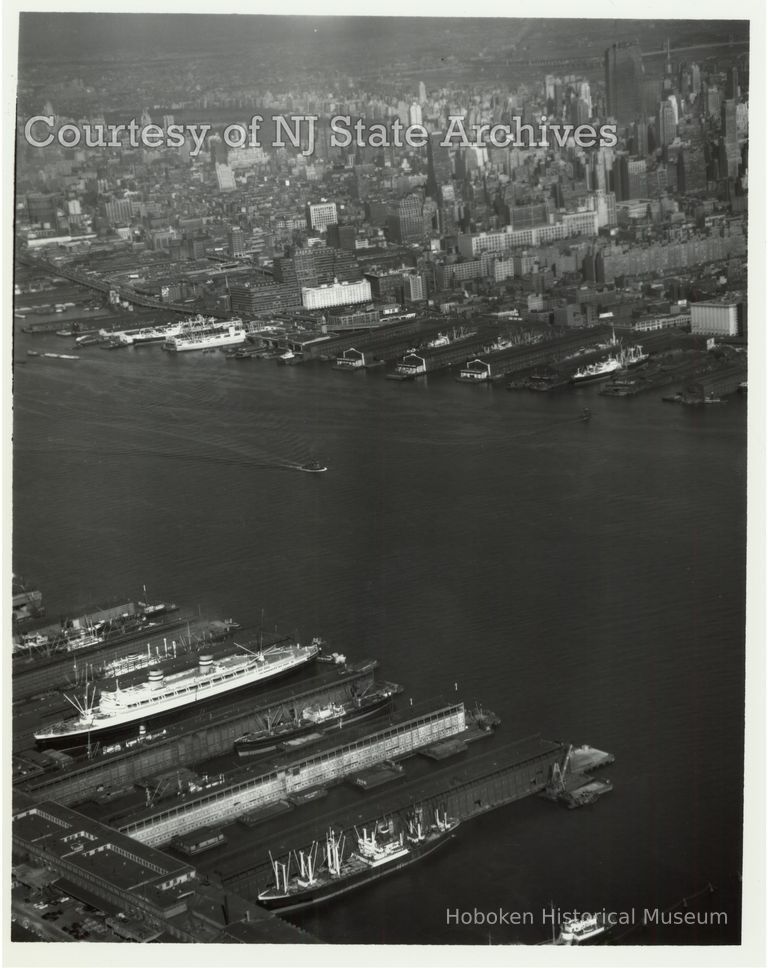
625, 359
205, 339
596, 371
322, 874
164, 331
319, 717
161, 695
106, 626
632, 357
147, 334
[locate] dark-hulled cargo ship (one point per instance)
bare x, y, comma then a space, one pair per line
325, 874
320, 717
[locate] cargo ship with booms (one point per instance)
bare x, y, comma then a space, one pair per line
161, 697
317, 718
323, 875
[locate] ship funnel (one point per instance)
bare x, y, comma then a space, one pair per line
206, 664
156, 678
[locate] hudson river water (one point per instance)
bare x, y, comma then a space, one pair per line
585, 581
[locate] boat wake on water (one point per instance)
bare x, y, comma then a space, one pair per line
267, 462
583, 416
308, 467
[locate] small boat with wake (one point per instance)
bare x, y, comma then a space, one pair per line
313, 467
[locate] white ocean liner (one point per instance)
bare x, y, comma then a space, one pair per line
162, 694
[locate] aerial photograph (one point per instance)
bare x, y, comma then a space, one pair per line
379, 500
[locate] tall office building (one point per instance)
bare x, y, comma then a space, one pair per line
341, 237
666, 129
620, 178
695, 78
728, 120
320, 215
729, 154
528, 216
414, 287
439, 168
742, 117
691, 170
466, 163
637, 178
605, 206
317, 266
624, 75
406, 223
236, 242
579, 111
225, 178
585, 95
598, 172
652, 92
713, 101
219, 151
640, 138
673, 100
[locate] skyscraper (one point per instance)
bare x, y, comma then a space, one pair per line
713, 101
225, 178
691, 170
623, 82
667, 127
640, 138
236, 242
620, 178
406, 223
439, 168
728, 120
729, 154
637, 178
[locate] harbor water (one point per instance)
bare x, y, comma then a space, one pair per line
584, 580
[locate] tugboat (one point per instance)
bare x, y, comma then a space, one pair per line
313, 467
324, 873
